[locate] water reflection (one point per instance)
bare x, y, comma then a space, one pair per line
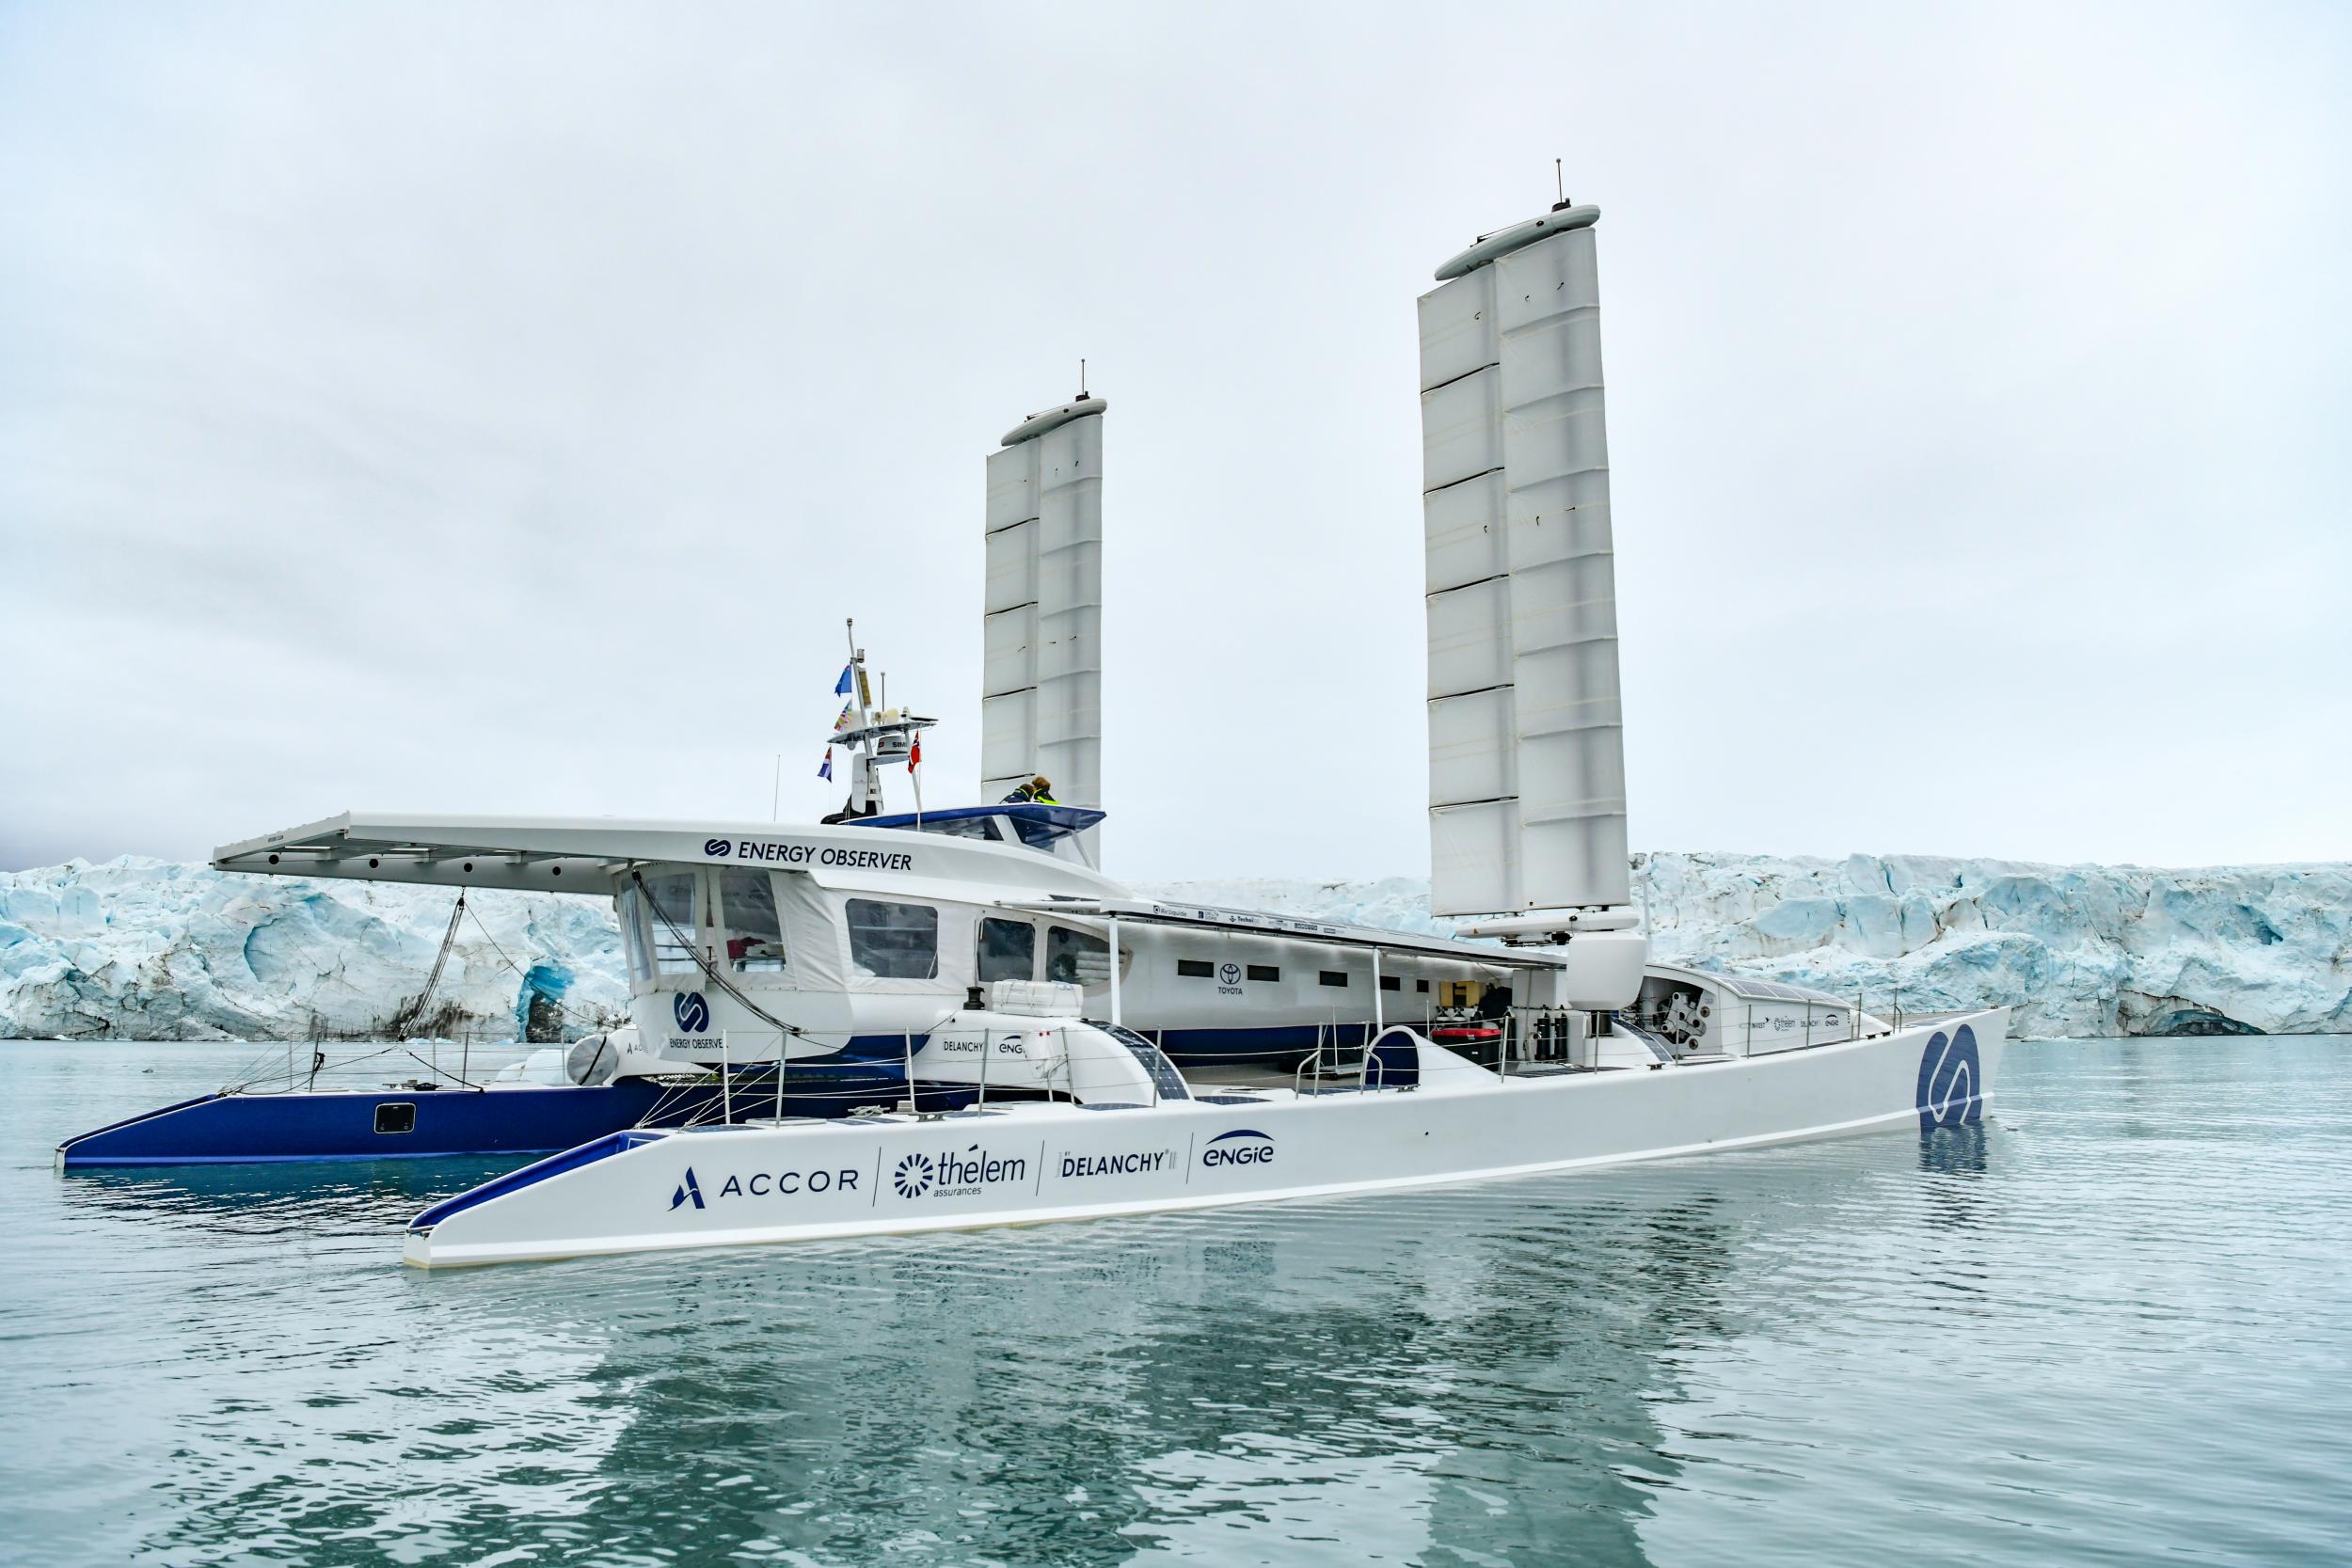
1988, 1338
1479, 1363
1955, 1151
1381, 1378
335, 1198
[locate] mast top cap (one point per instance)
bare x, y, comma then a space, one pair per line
1038, 424
1517, 237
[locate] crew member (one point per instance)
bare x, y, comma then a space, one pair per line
1038, 791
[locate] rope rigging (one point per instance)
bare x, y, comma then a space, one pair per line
591, 1023
414, 1013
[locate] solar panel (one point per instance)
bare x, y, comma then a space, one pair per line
1749, 988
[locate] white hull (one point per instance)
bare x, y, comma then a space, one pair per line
1030, 1163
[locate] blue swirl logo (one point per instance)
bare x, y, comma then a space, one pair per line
913, 1175
717, 849
1951, 1081
691, 1012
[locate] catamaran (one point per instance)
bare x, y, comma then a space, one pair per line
1037, 1043
1610, 1057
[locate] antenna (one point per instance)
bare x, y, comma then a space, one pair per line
1559, 187
1082, 380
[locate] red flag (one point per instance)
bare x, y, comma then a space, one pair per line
914, 757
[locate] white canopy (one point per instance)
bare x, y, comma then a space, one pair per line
582, 854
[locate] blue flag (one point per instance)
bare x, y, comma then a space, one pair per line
841, 687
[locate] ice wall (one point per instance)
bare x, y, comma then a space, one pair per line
147, 949
2078, 949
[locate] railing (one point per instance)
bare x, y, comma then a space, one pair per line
1327, 1047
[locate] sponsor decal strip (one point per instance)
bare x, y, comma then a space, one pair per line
788, 1184
1133, 1162
1243, 1145
972, 1171
776, 853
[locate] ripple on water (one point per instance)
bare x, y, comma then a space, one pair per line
2105, 1327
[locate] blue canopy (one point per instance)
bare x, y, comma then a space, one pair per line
1040, 825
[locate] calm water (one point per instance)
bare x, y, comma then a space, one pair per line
2114, 1328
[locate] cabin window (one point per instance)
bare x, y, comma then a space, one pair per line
670, 900
1076, 957
754, 936
398, 1116
894, 941
1334, 977
1390, 982
1266, 972
1196, 969
634, 946
962, 827
1007, 950
1422, 985
1039, 835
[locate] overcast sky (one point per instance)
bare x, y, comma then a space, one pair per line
498, 409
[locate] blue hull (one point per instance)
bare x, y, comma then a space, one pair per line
428, 1124
413, 1124
1282, 1045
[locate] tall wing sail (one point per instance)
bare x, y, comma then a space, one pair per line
1041, 681
1526, 739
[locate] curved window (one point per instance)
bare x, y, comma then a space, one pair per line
894, 941
1076, 957
1042, 835
960, 826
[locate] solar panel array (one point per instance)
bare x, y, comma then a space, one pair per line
1749, 989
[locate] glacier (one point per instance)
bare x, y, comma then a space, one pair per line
2078, 950
146, 949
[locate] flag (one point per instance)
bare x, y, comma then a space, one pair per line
914, 755
824, 769
841, 687
843, 723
